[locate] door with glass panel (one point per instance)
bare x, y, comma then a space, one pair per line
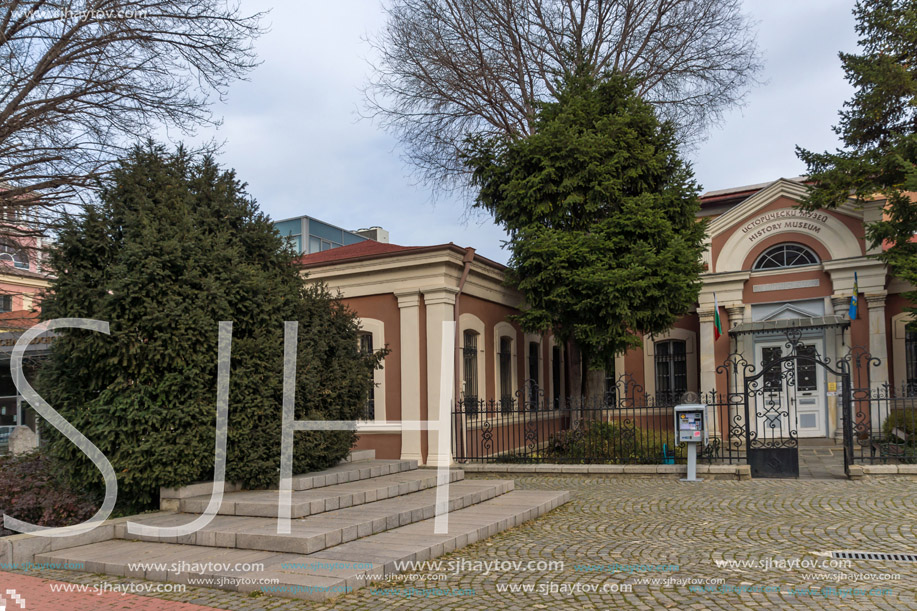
792, 395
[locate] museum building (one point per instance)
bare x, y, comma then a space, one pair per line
769, 266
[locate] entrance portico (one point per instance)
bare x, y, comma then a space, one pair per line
768, 261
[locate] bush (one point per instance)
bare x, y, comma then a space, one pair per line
32, 490
605, 442
904, 420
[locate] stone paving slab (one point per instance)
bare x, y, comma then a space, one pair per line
263, 503
689, 527
319, 576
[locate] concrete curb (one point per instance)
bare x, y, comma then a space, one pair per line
908, 471
737, 472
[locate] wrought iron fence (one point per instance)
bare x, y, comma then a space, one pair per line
625, 426
884, 424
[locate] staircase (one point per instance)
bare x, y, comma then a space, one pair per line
352, 524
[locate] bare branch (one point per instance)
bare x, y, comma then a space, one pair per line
451, 68
82, 80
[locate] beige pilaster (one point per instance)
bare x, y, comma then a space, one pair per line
878, 346
439, 303
838, 341
736, 313
409, 310
707, 353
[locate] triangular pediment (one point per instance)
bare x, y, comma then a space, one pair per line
788, 312
750, 207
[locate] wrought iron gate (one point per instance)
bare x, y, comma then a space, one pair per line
772, 398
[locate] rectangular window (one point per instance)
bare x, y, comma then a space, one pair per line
555, 375
6, 303
671, 371
470, 368
534, 380
611, 389
506, 373
315, 244
366, 347
910, 352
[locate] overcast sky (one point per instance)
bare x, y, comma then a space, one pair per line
293, 131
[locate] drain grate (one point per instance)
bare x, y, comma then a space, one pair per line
874, 556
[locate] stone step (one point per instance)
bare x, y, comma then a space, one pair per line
360, 455
317, 576
263, 503
318, 532
351, 472
343, 472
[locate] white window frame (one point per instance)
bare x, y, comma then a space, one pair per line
505, 329
470, 322
376, 328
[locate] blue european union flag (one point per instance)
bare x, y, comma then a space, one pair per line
852, 314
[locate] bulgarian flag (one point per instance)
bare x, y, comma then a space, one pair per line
717, 323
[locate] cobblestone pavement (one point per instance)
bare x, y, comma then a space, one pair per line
686, 533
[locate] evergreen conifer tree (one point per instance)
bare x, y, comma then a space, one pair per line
175, 246
601, 213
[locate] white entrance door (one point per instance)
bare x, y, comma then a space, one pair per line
807, 397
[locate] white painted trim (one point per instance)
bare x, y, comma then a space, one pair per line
835, 236
777, 189
649, 358
470, 322
899, 353
377, 329
504, 329
534, 337
553, 342
379, 427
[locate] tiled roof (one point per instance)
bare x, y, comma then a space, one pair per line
8, 269
369, 248
18, 319
377, 250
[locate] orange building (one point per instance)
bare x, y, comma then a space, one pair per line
770, 267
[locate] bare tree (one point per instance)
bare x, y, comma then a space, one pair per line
450, 68
80, 80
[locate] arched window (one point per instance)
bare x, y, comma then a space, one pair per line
785, 255
14, 255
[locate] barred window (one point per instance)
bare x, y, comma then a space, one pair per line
534, 378
785, 255
506, 370
470, 361
910, 352
671, 371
